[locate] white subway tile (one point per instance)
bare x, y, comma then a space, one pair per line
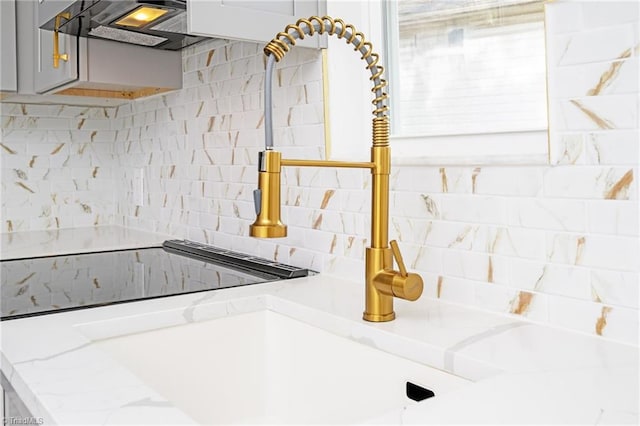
525, 275
534, 306
567, 148
16, 139
312, 113
306, 258
342, 267
565, 248
571, 281
456, 290
615, 288
597, 251
407, 230
323, 177
355, 246
494, 297
612, 252
589, 182
615, 323
430, 288
19, 223
325, 242
355, 201
520, 181
12, 109
517, 242
243, 67
622, 325
594, 113
455, 180
563, 17
475, 266
415, 205
453, 235
613, 217
592, 45
613, 147
474, 208
416, 179
310, 135
421, 258
252, 49
269, 250
611, 13
596, 79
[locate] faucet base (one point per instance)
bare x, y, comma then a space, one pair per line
378, 305
378, 318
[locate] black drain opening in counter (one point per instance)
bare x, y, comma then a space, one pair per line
418, 393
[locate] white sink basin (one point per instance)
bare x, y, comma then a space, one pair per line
264, 367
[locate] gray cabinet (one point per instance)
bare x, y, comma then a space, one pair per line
96, 72
13, 408
83, 66
55, 72
107, 69
8, 72
256, 20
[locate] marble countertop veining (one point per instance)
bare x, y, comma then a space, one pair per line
20, 245
522, 372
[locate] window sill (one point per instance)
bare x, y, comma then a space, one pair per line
513, 148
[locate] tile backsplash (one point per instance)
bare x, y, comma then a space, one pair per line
58, 166
556, 244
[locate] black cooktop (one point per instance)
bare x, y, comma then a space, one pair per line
38, 286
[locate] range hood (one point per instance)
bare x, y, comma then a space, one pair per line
156, 24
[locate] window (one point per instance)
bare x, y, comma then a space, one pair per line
458, 68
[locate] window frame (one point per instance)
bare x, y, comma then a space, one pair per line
531, 147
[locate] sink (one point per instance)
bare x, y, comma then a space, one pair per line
265, 367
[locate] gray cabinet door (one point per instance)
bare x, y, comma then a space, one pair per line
256, 20
8, 72
47, 76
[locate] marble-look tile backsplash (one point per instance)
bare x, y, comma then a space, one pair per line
555, 244
58, 166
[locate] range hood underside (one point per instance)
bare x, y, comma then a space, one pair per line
101, 19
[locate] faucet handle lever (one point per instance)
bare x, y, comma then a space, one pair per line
396, 254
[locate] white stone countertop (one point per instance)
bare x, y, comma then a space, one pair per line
522, 372
19, 245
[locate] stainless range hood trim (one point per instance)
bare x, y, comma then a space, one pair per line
86, 16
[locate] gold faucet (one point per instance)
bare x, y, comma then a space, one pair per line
383, 283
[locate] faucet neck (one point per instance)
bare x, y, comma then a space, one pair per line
276, 49
381, 158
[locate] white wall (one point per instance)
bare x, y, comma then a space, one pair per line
557, 244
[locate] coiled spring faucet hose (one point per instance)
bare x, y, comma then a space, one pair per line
281, 44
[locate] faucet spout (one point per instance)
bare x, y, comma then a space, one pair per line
382, 282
